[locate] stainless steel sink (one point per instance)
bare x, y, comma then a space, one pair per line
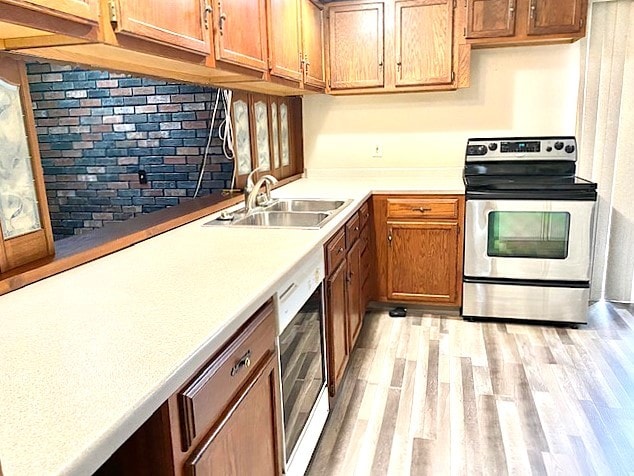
285, 213
305, 205
274, 219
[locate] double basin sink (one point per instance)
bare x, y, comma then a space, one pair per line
288, 213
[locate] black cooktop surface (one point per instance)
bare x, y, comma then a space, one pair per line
524, 182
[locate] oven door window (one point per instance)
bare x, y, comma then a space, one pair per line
302, 366
528, 234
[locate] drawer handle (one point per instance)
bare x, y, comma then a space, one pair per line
421, 209
245, 361
340, 250
356, 228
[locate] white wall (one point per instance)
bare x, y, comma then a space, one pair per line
514, 91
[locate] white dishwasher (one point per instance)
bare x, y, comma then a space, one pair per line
301, 328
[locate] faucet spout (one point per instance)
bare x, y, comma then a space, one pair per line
254, 193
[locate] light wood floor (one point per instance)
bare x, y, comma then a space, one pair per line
438, 395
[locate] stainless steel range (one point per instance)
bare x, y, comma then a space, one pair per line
529, 228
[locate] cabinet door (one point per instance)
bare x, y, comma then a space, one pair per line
79, 9
246, 438
490, 18
424, 39
25, 228
182, 24
240, 33
260, 114
275, 137
241, 137
555, 16
336, 328
313, 43
285, 137
353, 293
356, 46
423, 261
284, 39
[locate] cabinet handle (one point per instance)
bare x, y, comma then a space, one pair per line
381, 63
340, 250
398, 66
356, 228
421, 209
206, 14
245, 361
533, 8
221, 21
389, 237
512, 6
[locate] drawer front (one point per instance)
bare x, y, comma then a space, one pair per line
204, 399
364, 215
422, 208
353, 228
335, 251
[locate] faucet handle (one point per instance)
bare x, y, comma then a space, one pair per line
250, 184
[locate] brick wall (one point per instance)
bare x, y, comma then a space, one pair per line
97, 129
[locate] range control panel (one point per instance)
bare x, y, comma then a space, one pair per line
522, 148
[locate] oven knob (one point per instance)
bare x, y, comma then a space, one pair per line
570, 149
493, 146
559, 145
549, 149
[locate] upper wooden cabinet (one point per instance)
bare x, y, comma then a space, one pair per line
551, 17
396, 45
184, 24
356, 45
240, 33
81, 10
490, 18
423, 38
284, 39
313, 44
25, 227
513, 22
31, 23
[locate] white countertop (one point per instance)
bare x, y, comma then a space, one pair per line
88, 355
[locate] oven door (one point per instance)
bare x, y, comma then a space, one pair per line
529, 239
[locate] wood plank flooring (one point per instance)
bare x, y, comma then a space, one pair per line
433, 394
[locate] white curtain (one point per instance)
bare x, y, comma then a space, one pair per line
606, 133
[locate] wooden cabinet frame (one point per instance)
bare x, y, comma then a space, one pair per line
295, 135
24, 249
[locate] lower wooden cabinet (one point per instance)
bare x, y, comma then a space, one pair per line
422, 262
225, 421
244, 440
347, 292
419, 247
336, 327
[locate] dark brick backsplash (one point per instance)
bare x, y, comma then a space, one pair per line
98, 129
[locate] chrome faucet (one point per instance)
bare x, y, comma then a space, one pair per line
252, 190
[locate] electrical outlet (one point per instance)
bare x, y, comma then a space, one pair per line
377, 150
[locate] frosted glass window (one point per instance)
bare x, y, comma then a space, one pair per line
286, 149
262, 135
242, 139
19, 212
276, 136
